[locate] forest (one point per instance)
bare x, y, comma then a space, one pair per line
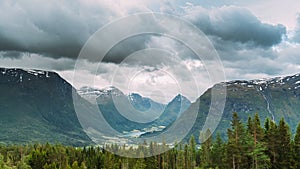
253, 145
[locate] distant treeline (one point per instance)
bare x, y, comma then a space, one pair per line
248, 146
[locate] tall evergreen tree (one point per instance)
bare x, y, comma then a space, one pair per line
256, 147
236, 154
180, 157
206, 139
192, 150
218, 153
297, 147
270, 138
284, 144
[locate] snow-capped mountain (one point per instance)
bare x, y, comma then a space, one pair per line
37, 105
91, 94
22, 75
107, 94
113, 104
272, 98
41, 101
288, 82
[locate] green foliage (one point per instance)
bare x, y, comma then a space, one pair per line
296, 147
284, 144
206, 149
236, 143
218, 153
249, 146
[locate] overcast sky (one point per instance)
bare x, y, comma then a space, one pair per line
254, 39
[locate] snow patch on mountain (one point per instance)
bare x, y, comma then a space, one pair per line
23, 75
91, 94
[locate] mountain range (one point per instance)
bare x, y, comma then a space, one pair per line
133, 111
272, 98
37, 106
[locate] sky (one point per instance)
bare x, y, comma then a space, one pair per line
253, 39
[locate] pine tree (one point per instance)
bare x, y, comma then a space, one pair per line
271, 136
267, 125
186, 157
256, 147
192, 151
139, 164
151, 162
297, 147
284, 144
236, 143
255, 129
206, 146
180, 157
218, 153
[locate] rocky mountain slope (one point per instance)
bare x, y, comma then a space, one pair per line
273, 98
37, 106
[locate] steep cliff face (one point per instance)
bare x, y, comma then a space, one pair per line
37, 106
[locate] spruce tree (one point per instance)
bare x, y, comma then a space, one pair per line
256, 146
297, 147
284, 144
192, 149
218, 153
236, 143
270, 138
206, 145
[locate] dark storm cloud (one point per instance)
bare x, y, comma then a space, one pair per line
54, 28
233, 51
126, 47
59, 29
235, 24
151, 43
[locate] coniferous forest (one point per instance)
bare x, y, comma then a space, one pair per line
248, 146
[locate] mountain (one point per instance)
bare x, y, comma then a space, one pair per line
272, 98
91, 94
173, 110
126, 113
37, 106
101, 96
141, 103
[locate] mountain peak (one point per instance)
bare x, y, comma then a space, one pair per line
110, 88
179, 97
17, 75
288, 82
40, 101
92, 93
